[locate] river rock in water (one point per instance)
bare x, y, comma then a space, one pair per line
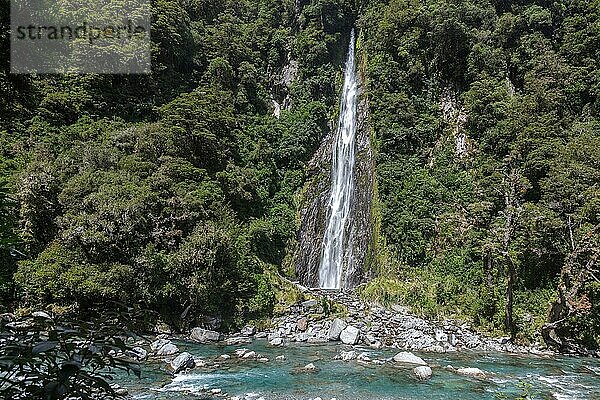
167, 350
406, 357
157, 344
137, 353
471, 372
348, 355
182, 362
204, 335
423, 372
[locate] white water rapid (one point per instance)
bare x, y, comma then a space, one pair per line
342, 181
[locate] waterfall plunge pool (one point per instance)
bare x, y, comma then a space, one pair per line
509, 376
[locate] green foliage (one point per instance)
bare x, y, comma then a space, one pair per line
478, 227
58, 358
8, 245
174, 190
384, 290
62, 276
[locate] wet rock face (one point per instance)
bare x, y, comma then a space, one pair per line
314, 213
314, 216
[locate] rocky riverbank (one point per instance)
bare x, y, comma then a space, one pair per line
342, 316
360, 334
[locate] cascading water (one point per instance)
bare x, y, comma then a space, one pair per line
342, 181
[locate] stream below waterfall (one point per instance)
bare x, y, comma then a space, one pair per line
509, 376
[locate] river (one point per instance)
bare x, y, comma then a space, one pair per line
509, 376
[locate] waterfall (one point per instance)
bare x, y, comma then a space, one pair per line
342, 182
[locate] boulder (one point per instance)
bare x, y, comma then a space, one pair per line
348, 355
8, 317
204, 335
157, 344
276, 342
280, 358
138, 353
250, 354
240, 352
336, 328
406, 357
234, 341
309, 303
182, 362
350, 335
422, 373
310, 368
41, 314
302, 324
167, 350
472, 372
248, 330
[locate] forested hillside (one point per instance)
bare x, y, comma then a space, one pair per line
486, 118
179, 191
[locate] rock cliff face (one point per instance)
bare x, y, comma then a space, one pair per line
314, 212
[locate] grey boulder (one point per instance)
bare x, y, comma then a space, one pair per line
204, 335
167, 350
350, 335
406, 357
422, 373
182, 362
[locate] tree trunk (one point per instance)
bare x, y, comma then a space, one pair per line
489, 269
511, 202
508, 309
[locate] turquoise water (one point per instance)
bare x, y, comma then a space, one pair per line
543, 377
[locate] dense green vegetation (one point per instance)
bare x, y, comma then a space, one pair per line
482, 227
54, 359
178, 190
175, 190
